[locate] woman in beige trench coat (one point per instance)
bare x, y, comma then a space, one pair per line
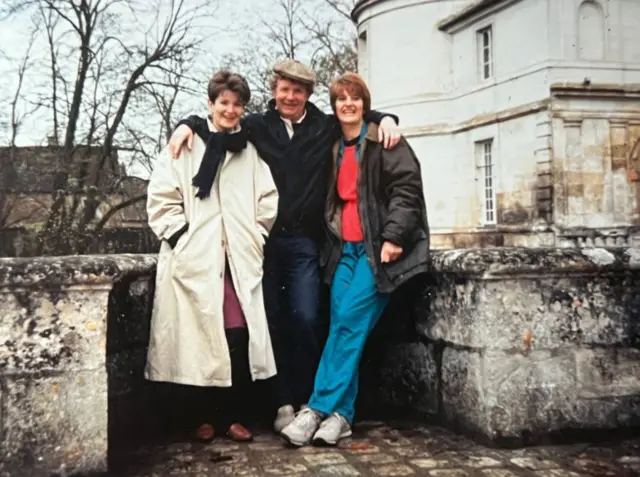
212, 210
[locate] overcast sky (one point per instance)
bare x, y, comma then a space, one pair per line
229, 23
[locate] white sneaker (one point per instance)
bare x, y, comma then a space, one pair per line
284, 417
303, 427
332, 429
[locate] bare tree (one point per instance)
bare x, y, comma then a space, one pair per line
317, 32
11, 195
113, 66
342, 7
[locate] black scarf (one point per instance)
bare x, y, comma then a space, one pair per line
218, 143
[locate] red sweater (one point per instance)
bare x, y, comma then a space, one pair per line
348, 192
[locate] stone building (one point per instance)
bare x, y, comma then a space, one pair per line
524, 114
29, 176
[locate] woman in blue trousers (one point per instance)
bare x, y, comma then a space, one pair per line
377, 238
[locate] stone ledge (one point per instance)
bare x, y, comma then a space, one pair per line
51, 272
500, 262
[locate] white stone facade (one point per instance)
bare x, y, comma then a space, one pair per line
524, 114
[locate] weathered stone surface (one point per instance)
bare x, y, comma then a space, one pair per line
462, 390
53, 272
501, 262
497, 313
608, 372
57, 318
534, 340
55, 424
408, 378
534, 393
52, 331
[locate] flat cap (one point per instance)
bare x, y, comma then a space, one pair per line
295, 70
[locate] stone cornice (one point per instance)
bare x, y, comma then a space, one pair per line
581, 90
491, 263
472, 13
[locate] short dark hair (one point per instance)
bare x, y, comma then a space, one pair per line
355, 85
225, 80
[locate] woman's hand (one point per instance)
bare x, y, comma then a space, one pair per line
182, 133
390, 252
388, 133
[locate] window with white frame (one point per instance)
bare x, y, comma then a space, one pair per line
487, 181
485, 52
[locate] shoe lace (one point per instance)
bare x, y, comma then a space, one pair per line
306, 417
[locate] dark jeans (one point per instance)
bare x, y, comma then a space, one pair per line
291, 290
225, 406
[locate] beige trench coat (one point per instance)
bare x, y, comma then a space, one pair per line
187, 343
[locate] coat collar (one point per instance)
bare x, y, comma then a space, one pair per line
372, 136
372, 132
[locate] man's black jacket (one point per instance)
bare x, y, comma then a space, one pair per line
300, 165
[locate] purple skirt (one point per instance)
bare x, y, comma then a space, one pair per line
232, 310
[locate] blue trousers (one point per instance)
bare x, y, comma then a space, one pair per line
291, 287
356, 307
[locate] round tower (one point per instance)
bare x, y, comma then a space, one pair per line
402, 53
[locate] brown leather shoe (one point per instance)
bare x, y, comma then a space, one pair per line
239, 433
205, 433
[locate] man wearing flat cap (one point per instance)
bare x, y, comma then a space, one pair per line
295, 139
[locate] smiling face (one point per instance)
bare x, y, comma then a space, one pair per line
349, 107
226, 110
350, 98
291, 98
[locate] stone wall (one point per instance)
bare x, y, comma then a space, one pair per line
60, 318
516, 344
507, 344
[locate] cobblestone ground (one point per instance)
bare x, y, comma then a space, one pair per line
377, 449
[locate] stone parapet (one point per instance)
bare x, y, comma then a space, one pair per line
508, 344
60, 318
516, 344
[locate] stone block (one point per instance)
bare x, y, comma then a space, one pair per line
462, 391
55, 331
496, 314
529, 394
604, 373
514, 396
55, 424
55, 318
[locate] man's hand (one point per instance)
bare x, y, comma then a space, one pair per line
388, 133
182, 133
390, 252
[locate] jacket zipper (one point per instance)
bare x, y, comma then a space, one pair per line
331, 201
364, 217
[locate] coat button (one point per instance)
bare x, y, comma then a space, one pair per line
223, 243
221, 274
